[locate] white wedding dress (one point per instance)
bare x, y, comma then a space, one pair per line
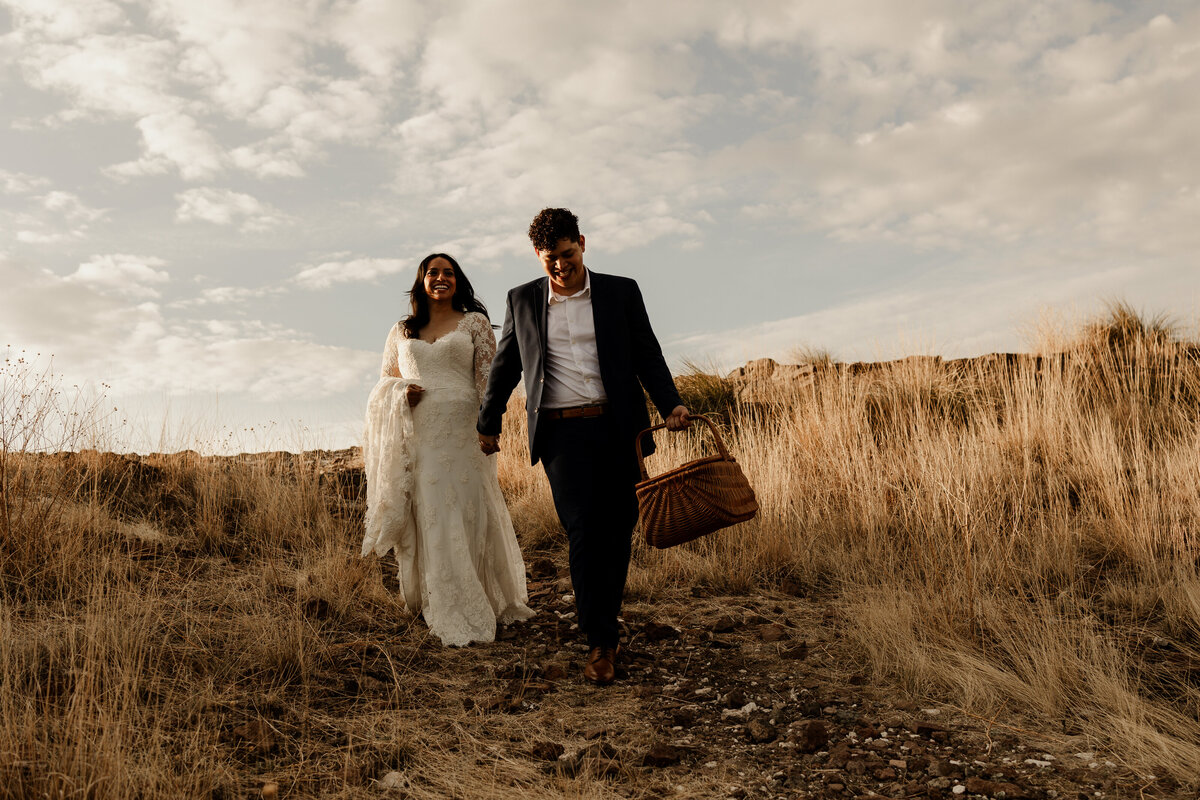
432, 495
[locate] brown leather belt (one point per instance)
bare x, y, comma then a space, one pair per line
574, 412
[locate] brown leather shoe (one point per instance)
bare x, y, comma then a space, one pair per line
601, 665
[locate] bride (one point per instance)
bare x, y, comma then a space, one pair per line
432, 496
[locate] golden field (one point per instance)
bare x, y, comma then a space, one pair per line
1013, 538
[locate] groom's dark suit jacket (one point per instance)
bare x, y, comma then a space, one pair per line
629, 354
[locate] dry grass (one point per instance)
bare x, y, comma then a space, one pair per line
1018, 536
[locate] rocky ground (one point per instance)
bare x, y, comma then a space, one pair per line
738, 697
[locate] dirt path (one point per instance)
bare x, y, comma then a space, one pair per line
716, 697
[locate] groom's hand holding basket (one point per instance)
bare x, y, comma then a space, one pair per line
696, 498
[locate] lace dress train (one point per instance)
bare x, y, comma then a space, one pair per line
432, 496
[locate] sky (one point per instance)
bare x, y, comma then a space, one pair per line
211, 210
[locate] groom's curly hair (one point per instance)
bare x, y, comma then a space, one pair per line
552, 225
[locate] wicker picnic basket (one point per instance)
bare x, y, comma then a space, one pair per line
694, 499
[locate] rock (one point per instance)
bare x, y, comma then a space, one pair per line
884, 774
793, 586
839, 755
927, 729
544, 568
547, 751
657, 632
940, 784
762, 380
797, 653
995, 788
865, 732
760, 732
662, 754
814, 736
773, 632
684, 718
725, 624
597, 750
393, 780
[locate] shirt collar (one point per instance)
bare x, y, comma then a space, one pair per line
586, 291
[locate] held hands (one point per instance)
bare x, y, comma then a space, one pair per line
678, 421
413, 393
489, 444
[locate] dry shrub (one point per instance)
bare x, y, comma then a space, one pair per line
704, 392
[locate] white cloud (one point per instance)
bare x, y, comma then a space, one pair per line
121, 274
176, 140
1086, 140
969, 317
242, 50
227, 207
328, 273
378, 34
125, 75
226, 296
20, 183
68, 206
65, 19
98, 324
53, 218
27, 236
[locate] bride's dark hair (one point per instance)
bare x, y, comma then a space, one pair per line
464, 297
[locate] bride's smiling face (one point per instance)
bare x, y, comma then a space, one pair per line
440, 283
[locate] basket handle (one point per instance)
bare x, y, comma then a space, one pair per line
637, 443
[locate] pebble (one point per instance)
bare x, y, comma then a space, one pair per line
959, 789
393, 780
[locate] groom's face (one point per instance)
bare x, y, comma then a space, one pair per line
564, 265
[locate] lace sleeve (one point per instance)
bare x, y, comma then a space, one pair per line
485, 350
391, 366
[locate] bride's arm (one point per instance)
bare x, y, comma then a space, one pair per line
485, 350
391, 365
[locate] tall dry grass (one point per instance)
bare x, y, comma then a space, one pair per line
1018, 534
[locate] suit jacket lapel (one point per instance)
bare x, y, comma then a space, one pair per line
541, 298
602, 319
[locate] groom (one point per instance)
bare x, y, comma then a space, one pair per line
584, 343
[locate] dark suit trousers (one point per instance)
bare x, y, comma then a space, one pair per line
592, 472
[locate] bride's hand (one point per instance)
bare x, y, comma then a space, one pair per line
414, 393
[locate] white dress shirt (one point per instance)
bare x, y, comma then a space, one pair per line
572, 362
